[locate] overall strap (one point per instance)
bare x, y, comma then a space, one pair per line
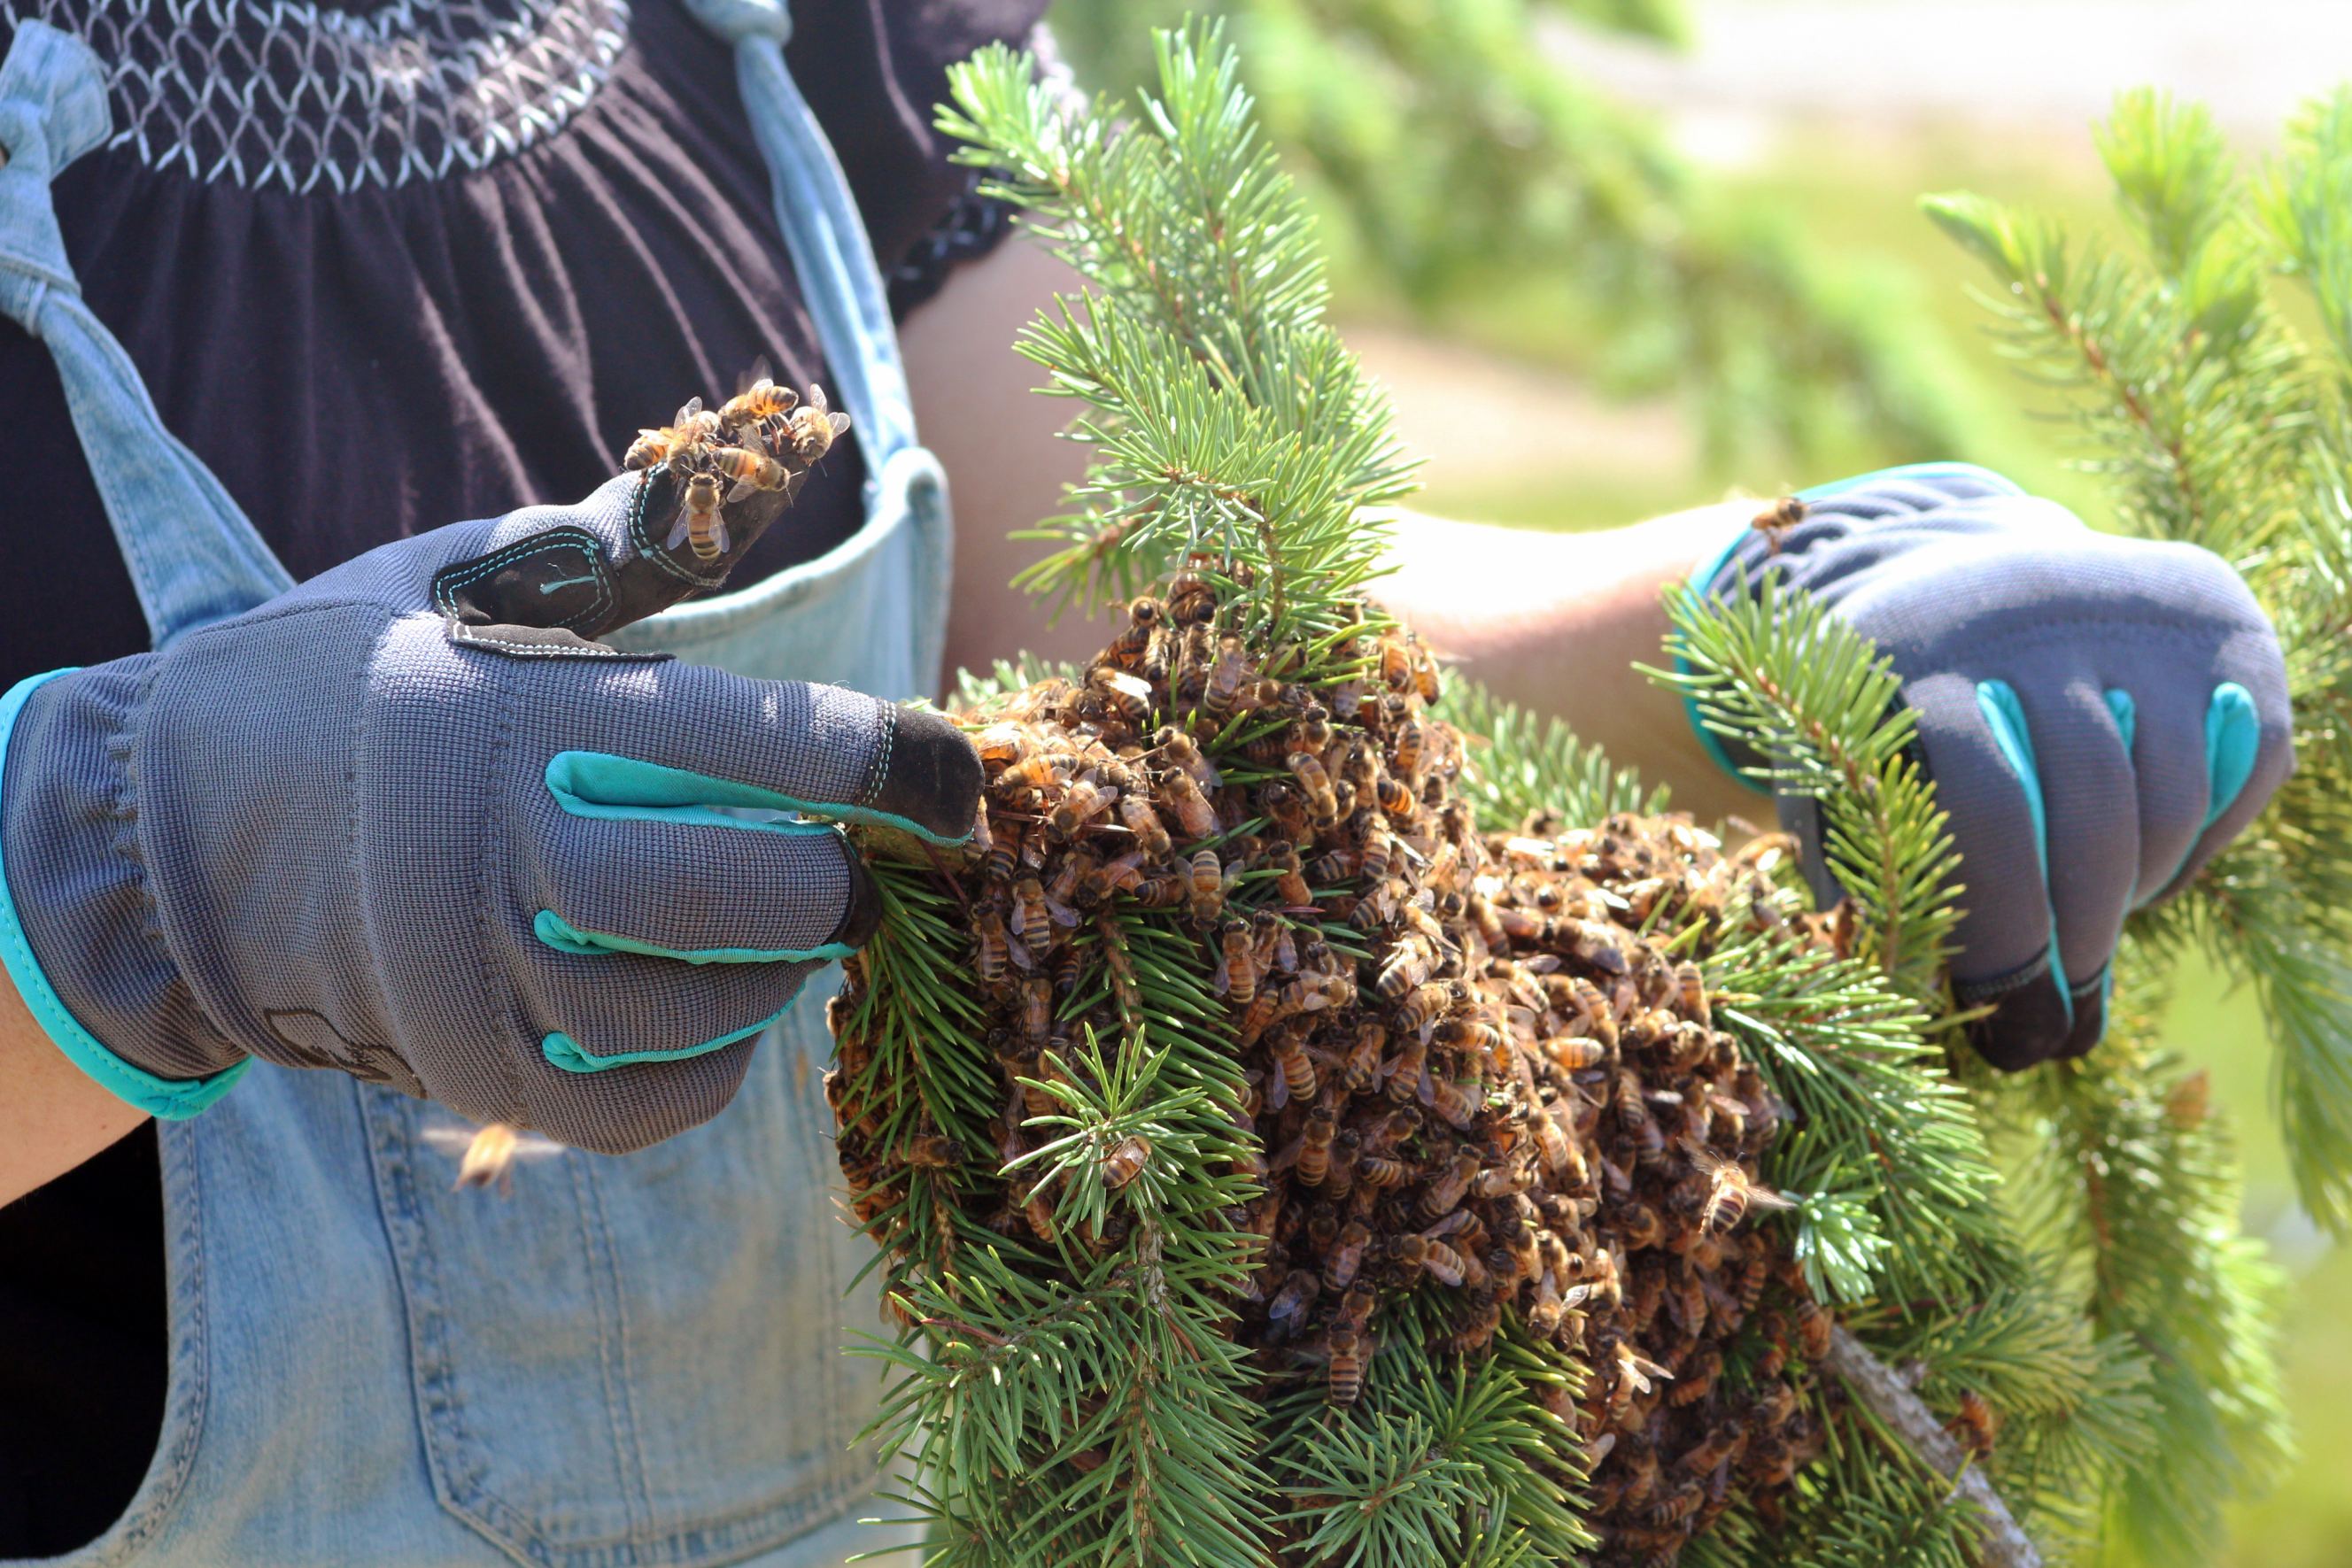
839, 282
195, 557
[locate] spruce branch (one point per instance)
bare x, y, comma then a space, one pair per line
2001, 1544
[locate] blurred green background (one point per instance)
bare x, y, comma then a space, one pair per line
1616, 257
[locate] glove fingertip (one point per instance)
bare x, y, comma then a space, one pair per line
933, 775
2031, 1019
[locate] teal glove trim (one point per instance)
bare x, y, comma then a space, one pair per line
2006, 718
563, 1051
172, 1099
565, 937
2127, 716
1925, 471
1710, 742
2233, 733
599, 784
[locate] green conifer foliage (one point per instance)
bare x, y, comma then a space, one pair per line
2051, 1261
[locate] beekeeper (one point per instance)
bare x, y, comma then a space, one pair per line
291, 290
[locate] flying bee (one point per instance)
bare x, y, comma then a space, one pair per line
1346, 1347
994, 951
1731, 1192
811, 429
1237, 964
751, 471
1223, 692
487, 1155
1150, 833
1195, 815
1080, 804
1975, 1423
1124, 1162
699, 523
1777, 518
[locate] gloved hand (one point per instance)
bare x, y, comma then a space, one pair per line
410, 821
2099, 715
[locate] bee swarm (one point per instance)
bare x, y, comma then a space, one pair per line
1517, 1099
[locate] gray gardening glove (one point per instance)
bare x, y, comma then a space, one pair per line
2099, 715
410, 821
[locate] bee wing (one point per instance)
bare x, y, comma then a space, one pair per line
754, 378
742, 487
839, 422
686, 410
453, 1138
676, 533
816, 397
1765, 1198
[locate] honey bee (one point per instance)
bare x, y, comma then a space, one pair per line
1291, 885
1127, 650
1208, 884
1124, 1162
1476, 1034
699, 523
1814, 1326
1443, 1264
1044, 770
487, 1155
1345, 1347
1195, 815
1395, 797
1446, 1192
1776, 519
761, 401
1031, 920
1731, 1191
1359, 1069
1036, 1008
1346, 1255
751, 471
1129, 695
931, 1152
1150, 833
1423, 1005
1676, 1506
1690, 988
1191, 599
1223, 692
1380, 1172
1975, 1423
1406, 968
689, 429
1316, 1139
1296, 1070
1237, 964
1296, 1297
812, 428
1457, 1103
1181, 749
1080, 804
1637, 1373
994, 951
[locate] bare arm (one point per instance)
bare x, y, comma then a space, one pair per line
1553, 621
53, 1115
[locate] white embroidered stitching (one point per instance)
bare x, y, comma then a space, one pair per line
280, 93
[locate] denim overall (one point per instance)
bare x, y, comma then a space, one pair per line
631, 1360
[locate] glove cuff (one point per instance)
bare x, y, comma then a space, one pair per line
79, 934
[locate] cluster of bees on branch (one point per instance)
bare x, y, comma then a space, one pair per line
1469, 1066
764, 438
